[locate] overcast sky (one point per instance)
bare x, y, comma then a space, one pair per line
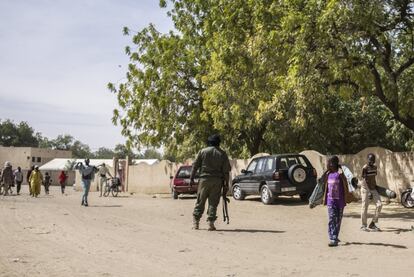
57, 56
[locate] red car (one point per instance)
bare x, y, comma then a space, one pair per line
181, 182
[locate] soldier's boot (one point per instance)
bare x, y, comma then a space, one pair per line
211, 226
196, 224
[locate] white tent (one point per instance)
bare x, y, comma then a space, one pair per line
147, 161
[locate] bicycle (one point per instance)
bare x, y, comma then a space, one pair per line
112, 186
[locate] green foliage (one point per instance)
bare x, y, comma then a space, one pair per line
271, 76
151, 154
70, 164
359, 48
121, 151
20, 134
68, 143
104, 153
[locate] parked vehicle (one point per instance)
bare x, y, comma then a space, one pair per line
271, 176
181, 182
406, 199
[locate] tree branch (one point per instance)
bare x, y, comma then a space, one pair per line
404, 66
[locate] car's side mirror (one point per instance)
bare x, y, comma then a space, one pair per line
243, 171
171, 177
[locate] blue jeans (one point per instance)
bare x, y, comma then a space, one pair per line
335, 219
86, 185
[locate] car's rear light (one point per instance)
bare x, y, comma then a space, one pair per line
315, 174
277, 175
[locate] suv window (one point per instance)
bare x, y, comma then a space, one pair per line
260, 167
303, 162
269, 164
252, 166
286, 162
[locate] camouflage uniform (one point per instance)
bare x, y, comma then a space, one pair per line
214, 167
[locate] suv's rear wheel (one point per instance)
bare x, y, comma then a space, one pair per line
238, 194
266, 195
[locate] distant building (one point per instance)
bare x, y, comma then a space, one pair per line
25, 157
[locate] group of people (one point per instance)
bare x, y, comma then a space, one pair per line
213, 167
9, 178
337, 195
34, 179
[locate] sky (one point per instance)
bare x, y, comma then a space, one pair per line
57, 57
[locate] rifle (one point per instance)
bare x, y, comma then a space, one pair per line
225, 201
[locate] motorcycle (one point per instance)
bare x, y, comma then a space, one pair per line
406, 200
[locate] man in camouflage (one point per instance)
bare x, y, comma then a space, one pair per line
214, 167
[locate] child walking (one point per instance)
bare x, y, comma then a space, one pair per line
46, 182
335, 197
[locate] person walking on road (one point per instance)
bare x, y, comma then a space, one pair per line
7, 177
214, 167
18, 179
103, 171
87, 175
368, 187
336, 196
36, 179
46, 182
29, 172
62, 181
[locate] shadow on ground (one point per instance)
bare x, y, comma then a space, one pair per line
251, 231
397, 214
284, 201
187, 197
396, 230
105, 206
376, 244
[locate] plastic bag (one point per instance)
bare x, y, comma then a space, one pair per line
317, 194
348, 175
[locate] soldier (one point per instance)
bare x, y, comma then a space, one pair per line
369, 173
7, 177
87, 174
214, 167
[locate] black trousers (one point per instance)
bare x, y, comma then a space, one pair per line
19, 186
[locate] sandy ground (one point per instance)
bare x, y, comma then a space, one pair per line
145, 236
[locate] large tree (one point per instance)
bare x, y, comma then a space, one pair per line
354, 47
21, 134
271, 76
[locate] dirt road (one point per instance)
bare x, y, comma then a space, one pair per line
144, 236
